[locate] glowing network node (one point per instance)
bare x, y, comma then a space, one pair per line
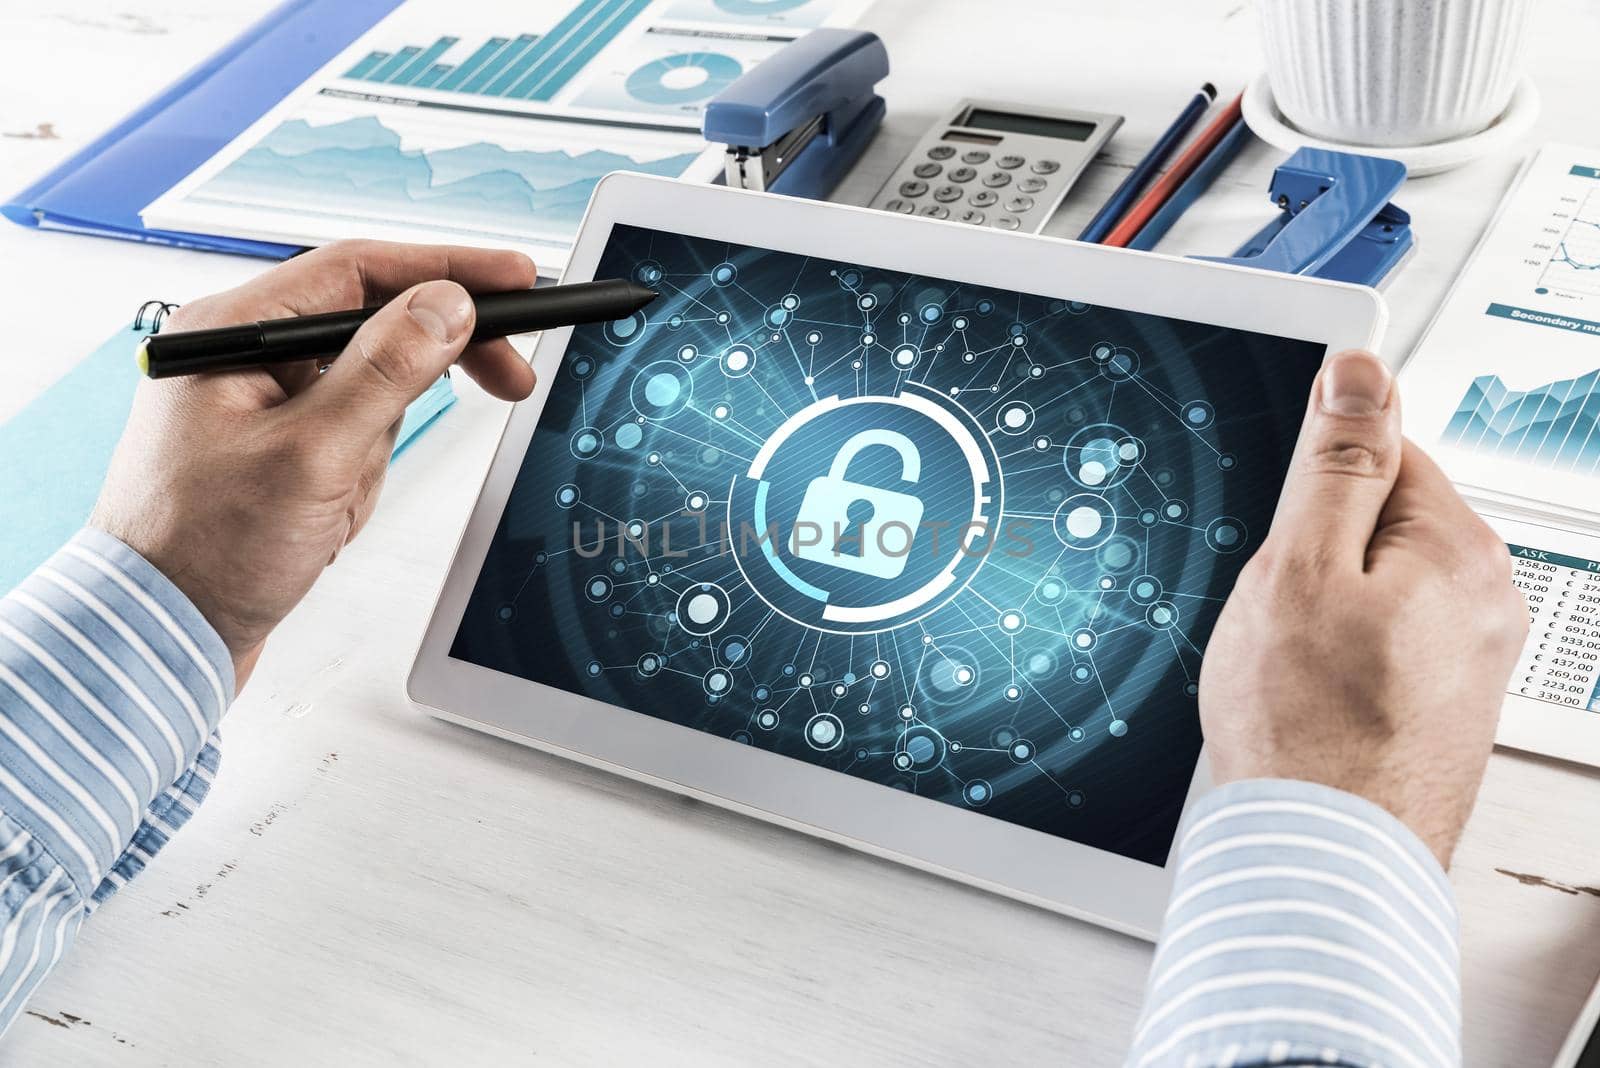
1015, 418
977, 792
724, 274
1225, 534
1021, 750
1161, 615
738, 361
1085, 521
661, 390
627, 436
824, 732
718, 681
567, 495
586, 443
624, 332
734, 649
703, 608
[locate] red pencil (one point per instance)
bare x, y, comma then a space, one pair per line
1129, 225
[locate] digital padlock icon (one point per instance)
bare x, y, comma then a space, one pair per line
856, 527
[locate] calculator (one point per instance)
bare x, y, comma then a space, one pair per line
992, 163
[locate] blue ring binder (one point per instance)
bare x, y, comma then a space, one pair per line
101, 189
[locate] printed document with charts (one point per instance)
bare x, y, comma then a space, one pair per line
1504, 391
489, 123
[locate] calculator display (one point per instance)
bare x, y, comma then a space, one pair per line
1035, 125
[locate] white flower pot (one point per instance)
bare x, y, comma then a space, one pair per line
1393, 72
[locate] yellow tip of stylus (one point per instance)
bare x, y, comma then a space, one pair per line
142, 357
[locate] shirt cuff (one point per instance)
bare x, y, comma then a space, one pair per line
111, 681
1306, 925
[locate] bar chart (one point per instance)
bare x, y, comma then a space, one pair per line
526, 66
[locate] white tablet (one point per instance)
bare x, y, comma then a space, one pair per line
1582, 1048
899, 532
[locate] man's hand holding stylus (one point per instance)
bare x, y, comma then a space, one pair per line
243, 486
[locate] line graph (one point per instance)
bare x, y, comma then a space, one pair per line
1574, 266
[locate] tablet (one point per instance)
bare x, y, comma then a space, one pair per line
899, 532
1582, 1048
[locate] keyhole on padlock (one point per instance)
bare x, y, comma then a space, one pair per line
852, 540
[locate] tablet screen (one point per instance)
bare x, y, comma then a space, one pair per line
957, 541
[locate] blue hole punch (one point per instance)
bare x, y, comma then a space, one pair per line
1335, 220
795, 123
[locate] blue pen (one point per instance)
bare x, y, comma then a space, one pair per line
1106, 218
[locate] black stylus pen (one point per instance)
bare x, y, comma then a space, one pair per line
229, 348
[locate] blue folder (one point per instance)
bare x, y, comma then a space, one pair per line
102, 189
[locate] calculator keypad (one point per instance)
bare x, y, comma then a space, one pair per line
1007, 187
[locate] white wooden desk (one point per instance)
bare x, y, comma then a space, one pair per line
368, 886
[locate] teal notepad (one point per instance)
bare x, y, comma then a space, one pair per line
54, 452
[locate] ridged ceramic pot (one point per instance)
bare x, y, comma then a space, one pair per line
1393, 72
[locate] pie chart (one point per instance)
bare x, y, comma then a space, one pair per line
683, 78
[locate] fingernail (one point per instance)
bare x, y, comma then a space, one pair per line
1356, 383
443, 309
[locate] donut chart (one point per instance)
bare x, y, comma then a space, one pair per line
684, 78
759, 7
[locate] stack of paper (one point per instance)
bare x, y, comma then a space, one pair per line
1504, 390
486, 122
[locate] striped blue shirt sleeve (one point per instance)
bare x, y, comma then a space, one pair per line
111, 688
1306, 927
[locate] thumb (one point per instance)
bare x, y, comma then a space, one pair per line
391, 361
1345, 465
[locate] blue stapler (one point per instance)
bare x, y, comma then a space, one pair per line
796, 122
1335, 220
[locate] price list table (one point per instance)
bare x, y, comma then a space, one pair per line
1561, 662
